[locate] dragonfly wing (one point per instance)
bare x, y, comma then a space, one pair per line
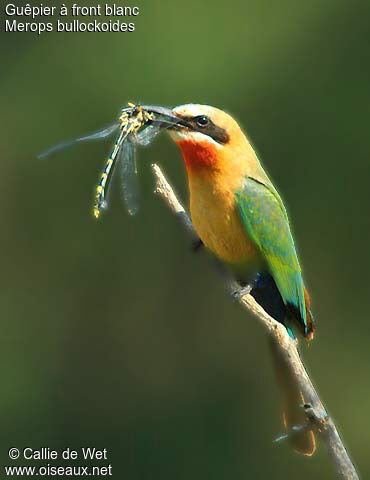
146, 134
128, 171
106, 132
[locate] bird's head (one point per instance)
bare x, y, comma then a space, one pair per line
208, 137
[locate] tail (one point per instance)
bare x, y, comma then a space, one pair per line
292, 399
307, 327
266, 293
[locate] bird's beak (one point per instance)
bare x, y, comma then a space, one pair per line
167, 118
163, 115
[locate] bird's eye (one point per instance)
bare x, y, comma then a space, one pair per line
202, 121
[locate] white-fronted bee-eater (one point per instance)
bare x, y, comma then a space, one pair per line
241, 219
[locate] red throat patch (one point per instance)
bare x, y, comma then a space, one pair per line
198, 155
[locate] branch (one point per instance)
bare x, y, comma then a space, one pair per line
316, 413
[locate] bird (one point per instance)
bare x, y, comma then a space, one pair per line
241, 219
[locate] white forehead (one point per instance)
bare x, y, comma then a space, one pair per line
193, 110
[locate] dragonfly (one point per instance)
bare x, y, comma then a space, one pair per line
137, 125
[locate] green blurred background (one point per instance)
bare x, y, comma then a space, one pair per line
113, 334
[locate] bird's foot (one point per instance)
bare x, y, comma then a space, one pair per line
238, 291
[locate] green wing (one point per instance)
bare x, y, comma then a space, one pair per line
266, 222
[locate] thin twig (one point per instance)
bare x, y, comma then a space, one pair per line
315, 411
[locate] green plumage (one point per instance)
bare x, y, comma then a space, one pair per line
266, 222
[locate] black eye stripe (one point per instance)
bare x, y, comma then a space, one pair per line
218, 134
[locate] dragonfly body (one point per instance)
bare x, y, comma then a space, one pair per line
129, 124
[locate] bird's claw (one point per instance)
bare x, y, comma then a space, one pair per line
237, 292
